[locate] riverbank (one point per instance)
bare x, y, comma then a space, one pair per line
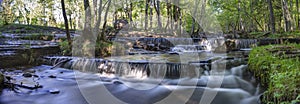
277, 68
21, 29
1, 82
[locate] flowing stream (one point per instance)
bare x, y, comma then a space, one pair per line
188, 73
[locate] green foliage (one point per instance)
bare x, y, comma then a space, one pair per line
65, 48
294, 34
279, 74
103, 48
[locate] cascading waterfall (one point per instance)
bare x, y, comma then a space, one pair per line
188, 48
245, 43
153, 70
137, 69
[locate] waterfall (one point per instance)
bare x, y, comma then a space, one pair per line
137, 69
148, 69
245, 43
83, 64
188, 48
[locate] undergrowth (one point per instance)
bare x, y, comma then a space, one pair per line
278, 73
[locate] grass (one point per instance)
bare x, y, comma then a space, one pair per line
277, 72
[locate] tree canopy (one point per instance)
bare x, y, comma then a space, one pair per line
234, 16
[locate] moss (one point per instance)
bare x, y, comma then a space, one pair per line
279, 73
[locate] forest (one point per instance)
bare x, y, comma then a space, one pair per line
234, 16
150, 51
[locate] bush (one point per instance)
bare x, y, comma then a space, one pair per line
277, 71
103, 49
65, 48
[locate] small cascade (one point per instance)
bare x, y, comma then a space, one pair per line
152, 70
188, 48
245, 43
83, 64
181, 41
137, 69
191, 67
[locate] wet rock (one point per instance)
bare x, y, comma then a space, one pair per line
52, 76
26, 83
30, 71
1, 81
117, 82
173, 53
27, 75
153, 44
54, 91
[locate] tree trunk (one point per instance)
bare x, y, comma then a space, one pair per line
87, 38
194, 15
151, 13
297, 7
168, 14
146, 14
98, 22
241, 25
105, 21
66, 23
176, 16
130, 14
88, 18
202, 15
70, 20
287, 16
272, 18
157, 8
95, 9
